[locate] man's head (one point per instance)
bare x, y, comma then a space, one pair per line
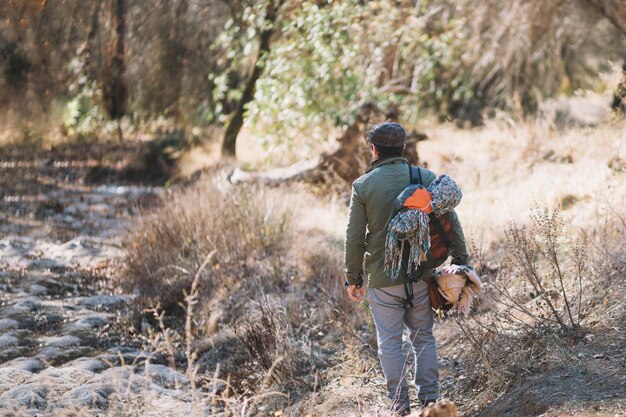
387, 139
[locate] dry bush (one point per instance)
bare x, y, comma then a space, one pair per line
541, 299
269, 312
321, 271
551, 289
279, 357
245, 225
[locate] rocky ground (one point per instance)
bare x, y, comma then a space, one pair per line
61, 348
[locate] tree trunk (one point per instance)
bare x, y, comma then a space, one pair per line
114, 88
613, 10
235, 122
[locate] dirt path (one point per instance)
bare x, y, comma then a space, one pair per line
60, 346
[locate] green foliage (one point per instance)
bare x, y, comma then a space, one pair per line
440, 79
82, 114
235, 49
329, 59
311, 79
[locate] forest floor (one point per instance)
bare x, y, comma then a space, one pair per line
66, 346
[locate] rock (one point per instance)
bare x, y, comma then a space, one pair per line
87, 322
10, 377
116, 190
44, 263
54, 355
65, 376
8, 340
31, 395
122, 355
117, 373
100, 301
165, 376
33, 365
8, 324
37, 289
87, 364
62, 341
91, 395
23, 306
12, 353
75, 209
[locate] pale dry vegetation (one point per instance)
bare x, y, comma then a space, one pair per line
268, 310
545, 208
272, 311
247, 227
238, 288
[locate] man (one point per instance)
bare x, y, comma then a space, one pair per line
371, 209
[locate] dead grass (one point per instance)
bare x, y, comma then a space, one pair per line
273, 292
246, 226
514, 337
298, 333
506, 168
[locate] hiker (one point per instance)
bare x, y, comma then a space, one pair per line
371, 210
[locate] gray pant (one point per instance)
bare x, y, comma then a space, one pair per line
390, 317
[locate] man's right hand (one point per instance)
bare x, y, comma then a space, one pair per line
355, 293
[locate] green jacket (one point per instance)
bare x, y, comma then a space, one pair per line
371, 210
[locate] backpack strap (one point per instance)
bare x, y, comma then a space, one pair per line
408, 284
412, 177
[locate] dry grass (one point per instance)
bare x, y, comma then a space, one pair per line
298, 333
273, 291
554, 278
505, 169
247, 227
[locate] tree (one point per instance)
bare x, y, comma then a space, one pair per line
235, 122
613, 10
114, 89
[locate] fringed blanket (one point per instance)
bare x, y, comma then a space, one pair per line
411, 224
460, 286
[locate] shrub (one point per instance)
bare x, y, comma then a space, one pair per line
551, 289
278, 356
534, 303
246, 226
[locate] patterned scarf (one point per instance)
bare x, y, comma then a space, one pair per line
412, 226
